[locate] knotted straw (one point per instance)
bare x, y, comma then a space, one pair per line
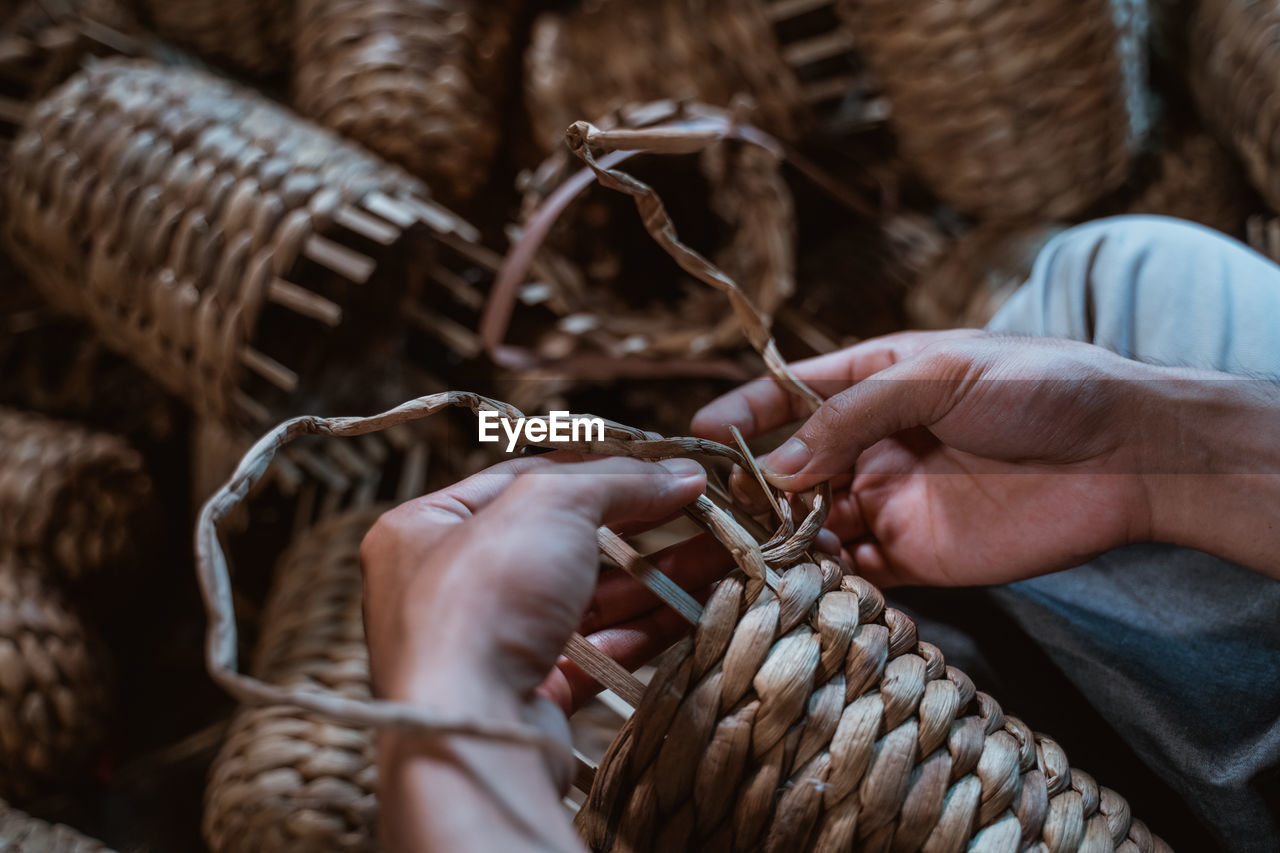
802, 713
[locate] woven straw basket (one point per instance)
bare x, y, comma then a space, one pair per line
236, 253
1010, 109
1194, 177
249, 35
287, 780
52, 697
593, 288
1234, 66
791, 58
418, 82
22, 833
68, 496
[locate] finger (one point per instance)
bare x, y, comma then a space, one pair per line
917, 392
870, 561
762, 404
619, 597
604, 491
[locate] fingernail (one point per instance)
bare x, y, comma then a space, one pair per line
682, 469
787, 459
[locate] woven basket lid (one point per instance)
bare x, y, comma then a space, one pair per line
286, 780
52, 695
1011, 109
420, 83
238, 254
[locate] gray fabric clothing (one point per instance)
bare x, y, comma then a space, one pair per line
1178, 650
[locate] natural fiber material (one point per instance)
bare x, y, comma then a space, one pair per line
815, 719
1193, 177
52, 696
22, 833
68, 496
249, 35
1010, 109
418, 81
1233, 72
822, 711
239, 255
600, 293
609, 53
287, 780
976, 275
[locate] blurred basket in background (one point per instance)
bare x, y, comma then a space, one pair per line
241, 256
69, 497
22, 833
793, 60
1194, 177
419, 82
287, 780
1235, 62
250, 36
1010, 109
53, 697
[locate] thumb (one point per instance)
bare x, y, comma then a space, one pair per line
913, 393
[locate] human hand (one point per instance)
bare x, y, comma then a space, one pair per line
961, 457
470, 595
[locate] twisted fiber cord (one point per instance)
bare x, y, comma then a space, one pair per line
287, 780
601, 56
251, 35
1005, 109
67, 495
1197, 179
1234, 65
162, 204
22, 833
52, 696
417, 81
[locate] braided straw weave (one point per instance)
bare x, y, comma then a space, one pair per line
287, 780
606, 54
192, 222
22, 833
1010, 109
249, 35
802, 714
68, 496
1234, 66
52, 697
417, 81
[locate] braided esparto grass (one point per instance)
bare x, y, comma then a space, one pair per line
1234, 65
801, 715
68, 496
1010, 109
287, 780
52, 693
22, 833
420, 82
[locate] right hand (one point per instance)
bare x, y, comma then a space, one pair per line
962, 457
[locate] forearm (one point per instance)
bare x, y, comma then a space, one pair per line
1213, 476
462, 793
